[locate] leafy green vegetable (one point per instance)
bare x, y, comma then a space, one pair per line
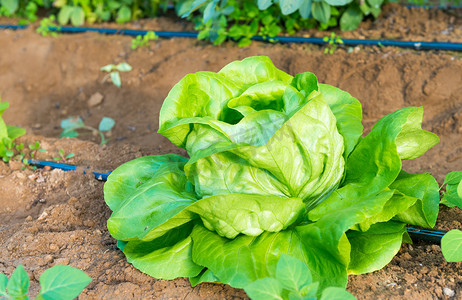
451, 246
277, 167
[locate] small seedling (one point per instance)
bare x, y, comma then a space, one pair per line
7, 135
143, 40
332, 43
113, 72
45, 24
72, 124
62, 156
34, 148
58, 282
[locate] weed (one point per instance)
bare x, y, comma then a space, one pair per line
58, 282
113, 72
72, 124
62, 156
143, 40
45, 24
332, 43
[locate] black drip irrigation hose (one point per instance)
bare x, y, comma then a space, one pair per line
280, 39
427, 235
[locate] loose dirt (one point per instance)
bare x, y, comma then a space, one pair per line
52, 217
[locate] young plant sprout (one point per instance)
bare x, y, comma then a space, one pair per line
72, 124
143, 40
58, 282
113, 72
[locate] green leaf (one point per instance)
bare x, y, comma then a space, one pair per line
123, 67
351, 18
106, 124
115, 78
166, 257
336, 293
124, 14
3, 107
289, 6
348, 113
264, 4
152, 207
10, 5
305, 9
62, 282
451, 246
338, 2
375, 3
304, 169
205, 276
233, 214
265, 288
292, 273
321, 11
77, 16
424, 188
72, 123
412, 141
253, 70
373, 249
15, 132
453, 195
306, 83
125, 179
3, 284
108, 68
209, 11
69, 134
18, 284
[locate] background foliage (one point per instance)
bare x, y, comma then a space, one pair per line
216, 20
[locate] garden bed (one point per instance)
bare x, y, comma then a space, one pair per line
51, 217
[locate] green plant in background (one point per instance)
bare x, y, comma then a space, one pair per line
332, 43
72, 124
113, 72
292, 280
45, 27
58, 282
143, 40
7, 135
277, 165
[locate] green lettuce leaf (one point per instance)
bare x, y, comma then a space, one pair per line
154, 207
373, 249
125, 179
166, 257
309, 166
232, 214
425, 189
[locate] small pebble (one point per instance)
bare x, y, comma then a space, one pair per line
95, 100
29, 218
448, 292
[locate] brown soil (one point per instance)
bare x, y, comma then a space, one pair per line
56, 217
